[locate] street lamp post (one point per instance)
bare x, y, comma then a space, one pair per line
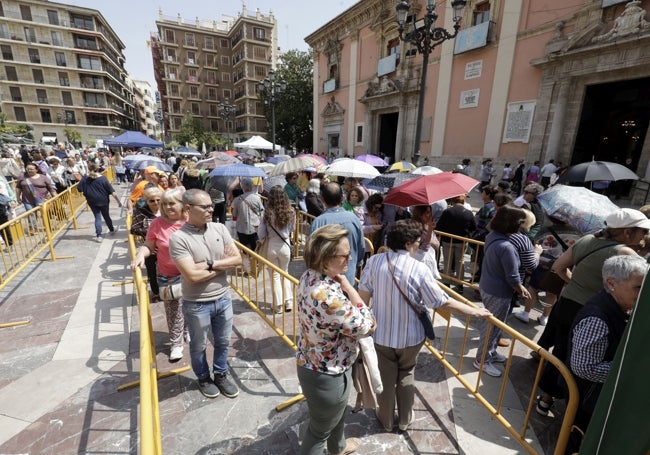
425, 37
272, 88
227, 110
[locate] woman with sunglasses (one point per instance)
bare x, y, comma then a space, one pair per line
331, 317
160, 231
142, 218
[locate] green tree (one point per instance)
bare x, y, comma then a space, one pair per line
293, 108
73, 136
191, 131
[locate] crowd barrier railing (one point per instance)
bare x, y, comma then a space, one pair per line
254, 290
150, 434
451, 353
453, 244
29, 234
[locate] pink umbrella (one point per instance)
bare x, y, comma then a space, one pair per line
429, 189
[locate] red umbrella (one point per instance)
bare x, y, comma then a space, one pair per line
429, 189
231, 153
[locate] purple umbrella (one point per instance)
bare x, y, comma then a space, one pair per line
372, 160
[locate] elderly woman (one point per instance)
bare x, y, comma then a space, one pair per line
581, 268
598, 328
331, 318
392, 280
500, 278
157, 241
277, 224
142, 218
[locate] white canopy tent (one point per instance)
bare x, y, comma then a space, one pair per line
257, 142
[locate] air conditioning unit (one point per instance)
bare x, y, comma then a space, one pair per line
190, 61
170, 58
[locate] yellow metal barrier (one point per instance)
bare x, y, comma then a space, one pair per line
494, 403
150, 435
448, 242
35, 230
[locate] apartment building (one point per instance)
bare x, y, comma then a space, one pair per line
62, 66
564, 80
202, 65
147, 108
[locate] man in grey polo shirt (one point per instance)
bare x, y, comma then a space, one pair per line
203, 251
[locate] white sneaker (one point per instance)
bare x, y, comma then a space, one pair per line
488, 369
522, 316
177, 353
99, 239
542, 319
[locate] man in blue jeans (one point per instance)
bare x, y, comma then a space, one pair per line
203, 251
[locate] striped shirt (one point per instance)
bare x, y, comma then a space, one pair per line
528, 260
398, 326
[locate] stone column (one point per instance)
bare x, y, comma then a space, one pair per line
557, 124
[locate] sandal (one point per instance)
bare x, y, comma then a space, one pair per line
351, 446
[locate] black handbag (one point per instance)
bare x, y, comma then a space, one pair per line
423, 313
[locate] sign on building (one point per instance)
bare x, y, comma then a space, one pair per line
473, 69
519, 119
469, 98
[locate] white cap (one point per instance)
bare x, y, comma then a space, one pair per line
627, 218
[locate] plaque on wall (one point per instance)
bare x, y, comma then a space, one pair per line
469, 98
519, 119
473, 69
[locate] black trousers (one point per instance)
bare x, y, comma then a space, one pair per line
6, 233
559, 325
248, 240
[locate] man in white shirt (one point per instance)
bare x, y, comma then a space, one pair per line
547, 172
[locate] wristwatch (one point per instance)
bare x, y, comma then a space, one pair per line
210, 264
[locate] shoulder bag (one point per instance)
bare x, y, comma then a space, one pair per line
423, 313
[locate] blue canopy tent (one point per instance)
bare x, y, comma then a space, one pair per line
132, 139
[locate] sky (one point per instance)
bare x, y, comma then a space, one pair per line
134, 20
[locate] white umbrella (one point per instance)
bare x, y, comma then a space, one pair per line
266, 167
346, 167
426, 170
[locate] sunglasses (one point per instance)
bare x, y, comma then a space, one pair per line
206, 207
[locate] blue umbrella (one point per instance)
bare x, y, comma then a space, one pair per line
146, 163
277, 159
387, 181
131, 161
237, 170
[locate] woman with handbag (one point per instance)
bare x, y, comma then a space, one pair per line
399, 288
275, 229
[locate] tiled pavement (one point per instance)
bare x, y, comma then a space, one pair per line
59, 376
